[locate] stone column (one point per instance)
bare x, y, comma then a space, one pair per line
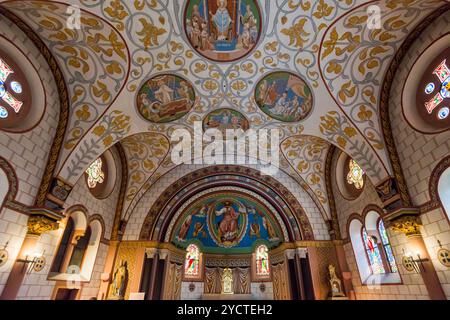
152, 254
300, 253
38, 223
407, 221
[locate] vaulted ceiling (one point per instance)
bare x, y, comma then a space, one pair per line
121, 44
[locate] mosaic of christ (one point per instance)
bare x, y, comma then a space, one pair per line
223, 30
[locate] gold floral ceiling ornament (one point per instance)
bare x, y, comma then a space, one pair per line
95, 174
355, 175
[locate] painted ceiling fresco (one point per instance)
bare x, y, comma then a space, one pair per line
324, 61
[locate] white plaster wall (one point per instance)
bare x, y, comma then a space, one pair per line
140, 211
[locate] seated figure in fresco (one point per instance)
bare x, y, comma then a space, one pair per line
228, 227
222, 20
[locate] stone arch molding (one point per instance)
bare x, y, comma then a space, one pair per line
161, 213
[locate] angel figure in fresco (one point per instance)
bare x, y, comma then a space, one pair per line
270, 231
222, 20
228, 227
185, 228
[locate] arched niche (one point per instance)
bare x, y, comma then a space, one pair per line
109, 170
347, 190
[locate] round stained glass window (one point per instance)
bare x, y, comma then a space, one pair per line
443, 113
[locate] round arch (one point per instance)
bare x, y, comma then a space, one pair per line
159, 216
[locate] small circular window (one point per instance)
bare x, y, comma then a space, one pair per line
101, 175
350, 177
426, 93
15, 95
433, 96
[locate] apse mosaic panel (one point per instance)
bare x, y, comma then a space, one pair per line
225, 222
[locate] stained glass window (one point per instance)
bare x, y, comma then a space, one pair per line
192, 263
262, 261
387, 246
95, 174
355, 175
373, 253
5, 94
443, 73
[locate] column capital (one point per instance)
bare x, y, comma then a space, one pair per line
42, 220
405, 220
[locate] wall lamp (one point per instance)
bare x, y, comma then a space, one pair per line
37, 263
414, 263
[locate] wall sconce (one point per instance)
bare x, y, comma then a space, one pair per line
410, 263
36, 264
4, 255
443, 255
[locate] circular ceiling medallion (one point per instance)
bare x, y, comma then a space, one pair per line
165, 98
284, 96
3, 257
225, 119
223, 30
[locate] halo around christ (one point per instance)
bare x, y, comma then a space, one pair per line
223, 30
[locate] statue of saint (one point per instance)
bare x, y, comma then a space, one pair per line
119, 283
335, 282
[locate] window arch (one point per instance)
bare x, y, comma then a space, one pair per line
444, 190
387, 247
78, 248
262, 261
372, 249
373, 253
192, 262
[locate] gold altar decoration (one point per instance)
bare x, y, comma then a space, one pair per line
227, 281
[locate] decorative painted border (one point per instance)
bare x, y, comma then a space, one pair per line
271, 183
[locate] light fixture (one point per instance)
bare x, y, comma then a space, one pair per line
410, 263
4, 255
36, 264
